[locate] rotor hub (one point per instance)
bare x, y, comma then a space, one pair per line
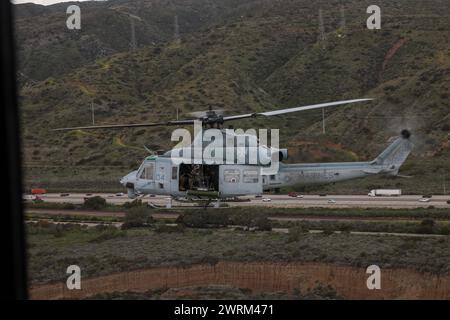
406, 134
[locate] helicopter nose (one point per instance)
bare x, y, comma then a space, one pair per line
124, 181
129, 178
129, 182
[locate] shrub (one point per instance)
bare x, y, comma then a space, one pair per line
193, 220
107, 233
209, 260
295, 234
43, 224
217, 218
133, 204
262, 224
426, 226
94, 203
137, 217
167, 228
445, 230
203, 219
249, 219
345, 228
325, 292
427, 222
40, 204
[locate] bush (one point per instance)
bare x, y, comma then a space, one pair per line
203, 219
43, 224
40, 204
193, 219
445, 230
321, 292
345, 228
258, 220
167, 228
95, 203
295, 234
107, 233
133, 204
209, 260
137, 217
247, 219
262, 224
426, 226
218, 219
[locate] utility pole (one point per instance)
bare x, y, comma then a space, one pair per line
133, 43
343, 23
92, 112
322, 37
176, 35
323, 121
444, 182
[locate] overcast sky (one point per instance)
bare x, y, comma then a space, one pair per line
44, 2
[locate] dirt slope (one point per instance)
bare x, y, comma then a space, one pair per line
349, 282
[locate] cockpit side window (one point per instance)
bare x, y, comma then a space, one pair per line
147, 172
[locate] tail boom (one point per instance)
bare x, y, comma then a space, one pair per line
388, 162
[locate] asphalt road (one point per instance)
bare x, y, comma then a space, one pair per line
308, 201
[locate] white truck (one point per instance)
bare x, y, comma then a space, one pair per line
385, 193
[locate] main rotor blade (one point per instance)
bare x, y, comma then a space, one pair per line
230, 118
296, 109
132, 125
202, 114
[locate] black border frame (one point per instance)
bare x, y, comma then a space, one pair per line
12, 243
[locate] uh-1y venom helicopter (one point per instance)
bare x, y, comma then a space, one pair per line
161, 175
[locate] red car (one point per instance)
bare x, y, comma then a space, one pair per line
38, 191
295, 195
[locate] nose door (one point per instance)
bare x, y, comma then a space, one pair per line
129, 182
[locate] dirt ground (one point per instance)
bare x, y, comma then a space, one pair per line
349, 282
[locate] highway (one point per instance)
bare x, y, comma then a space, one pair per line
276, 201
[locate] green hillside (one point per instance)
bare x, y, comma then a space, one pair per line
239, 56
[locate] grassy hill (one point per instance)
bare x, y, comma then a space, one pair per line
239, 56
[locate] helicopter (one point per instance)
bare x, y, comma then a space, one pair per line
178, 174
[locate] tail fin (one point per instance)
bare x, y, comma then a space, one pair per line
393, 157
